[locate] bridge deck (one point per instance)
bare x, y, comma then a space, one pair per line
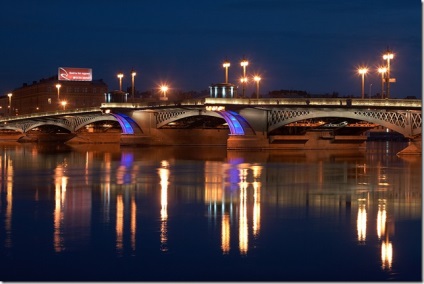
275, 102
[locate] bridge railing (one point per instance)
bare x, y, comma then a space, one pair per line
50, 113
154, 104
312, 102
319, 102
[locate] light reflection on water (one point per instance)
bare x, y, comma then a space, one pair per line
200, 211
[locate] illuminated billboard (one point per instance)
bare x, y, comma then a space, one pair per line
75, 74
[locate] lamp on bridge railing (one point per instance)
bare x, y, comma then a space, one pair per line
64, 104
243, 81
58, 92
10, 102
382, 70
257, 80
120, 76
164, 89
362, 71
226, 65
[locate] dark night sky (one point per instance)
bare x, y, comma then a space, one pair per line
310, 45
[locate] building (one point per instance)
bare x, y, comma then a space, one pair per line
50, 94
116, 97
223, 90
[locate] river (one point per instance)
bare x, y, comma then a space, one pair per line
109, 213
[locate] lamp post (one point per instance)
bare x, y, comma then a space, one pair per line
58, 92
10, 102
244, 64
226, 64
164, 89
243, 81
257, 80
120, 76
133, 73
64, 104
362, 71
388, 56
382, 71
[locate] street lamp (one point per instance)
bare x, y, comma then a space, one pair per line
257, 80
164, 89
244, 64
58, 91
226, 65
362, 71
64, 104
120, 76
132, 83
10, 102
388, 56
382, 70
243, 81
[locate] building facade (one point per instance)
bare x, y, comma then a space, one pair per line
223, 90
50, 94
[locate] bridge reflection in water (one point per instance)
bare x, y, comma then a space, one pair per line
243, 194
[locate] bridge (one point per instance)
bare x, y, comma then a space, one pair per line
238, 123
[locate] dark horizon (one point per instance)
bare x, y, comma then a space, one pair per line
313, 46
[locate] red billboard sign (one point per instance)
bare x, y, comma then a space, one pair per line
75, 74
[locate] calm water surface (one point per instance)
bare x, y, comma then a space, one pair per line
101, 212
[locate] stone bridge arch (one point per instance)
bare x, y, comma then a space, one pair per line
29, 125
82, 121
14, 127
408, 123
70, 123
236, 123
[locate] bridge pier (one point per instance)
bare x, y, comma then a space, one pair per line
414, 147
309, 141
247, 142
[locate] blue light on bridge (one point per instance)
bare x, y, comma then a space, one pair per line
123, 121
235, 117
233, 123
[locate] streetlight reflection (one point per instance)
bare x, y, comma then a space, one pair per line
381, 218
361, 221
225, 233
243, 225
164, 177
60, 190
119, 223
